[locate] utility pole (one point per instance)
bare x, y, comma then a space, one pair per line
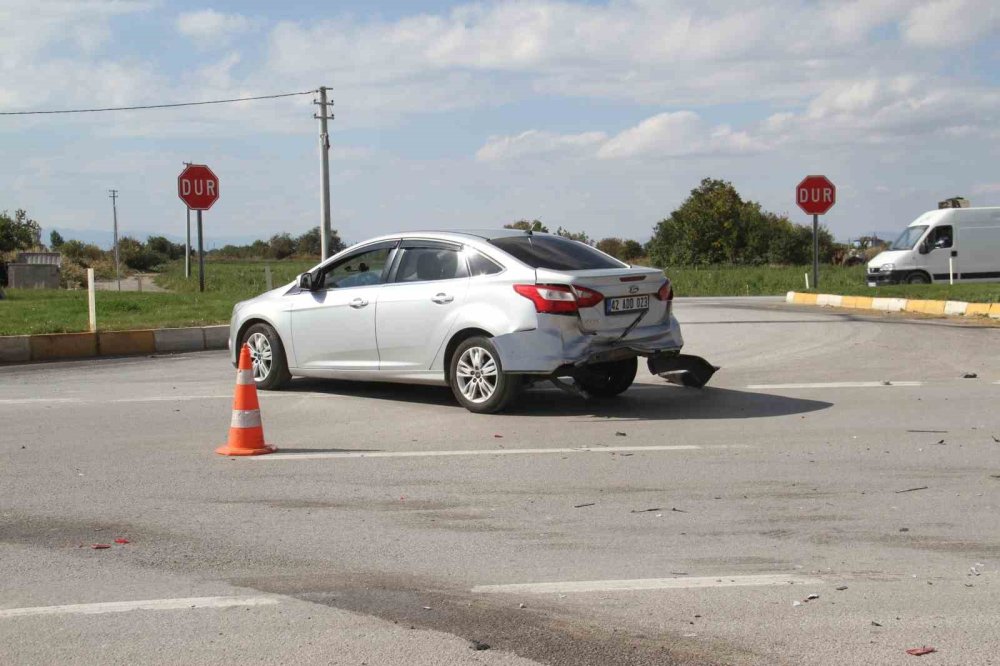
187, 246
113, 194
324, 154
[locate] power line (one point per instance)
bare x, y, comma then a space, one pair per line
154, 106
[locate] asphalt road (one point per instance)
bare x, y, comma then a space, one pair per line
671, 526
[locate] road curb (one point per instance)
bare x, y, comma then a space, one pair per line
62, 346
937, 308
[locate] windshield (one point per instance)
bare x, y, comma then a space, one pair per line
555, 252
908, 239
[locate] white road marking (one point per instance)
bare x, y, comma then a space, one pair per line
152, 398
646, 584
148, 604
834, 385
487, 452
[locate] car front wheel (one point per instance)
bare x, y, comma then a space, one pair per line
477, 378
270, 369
606, 380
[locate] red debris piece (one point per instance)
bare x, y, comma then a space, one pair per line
920, 651
120, 540
498, 436
100, 546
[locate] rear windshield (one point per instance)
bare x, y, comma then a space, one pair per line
555, 252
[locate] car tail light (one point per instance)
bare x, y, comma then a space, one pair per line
665, 292
588, 298
558, 298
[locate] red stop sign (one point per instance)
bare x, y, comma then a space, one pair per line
816, 195
198, 187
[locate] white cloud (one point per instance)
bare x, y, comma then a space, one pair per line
210, 27
534, 143
676, 134
947, 23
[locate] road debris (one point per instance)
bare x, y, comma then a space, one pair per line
935, 432
100, 546
910, 490
841, 588
580, 506
904, 529
621, 434
920, 651
940, 441
122, 541
646, 510
427, 608
521, 606
497, 436
969, 375
479, 645
875, 624
811, 597
675, 509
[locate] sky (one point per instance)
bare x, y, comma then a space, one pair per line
595, 116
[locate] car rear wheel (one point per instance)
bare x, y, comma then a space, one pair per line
606, 380
477, 378
270, 369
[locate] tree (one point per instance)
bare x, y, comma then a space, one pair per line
56, 240
613, 246
19, 232
715, 225
632, 250
574, 235
310, 242
161, 245
525, 225
281, 246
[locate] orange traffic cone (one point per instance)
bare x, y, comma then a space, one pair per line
246, 434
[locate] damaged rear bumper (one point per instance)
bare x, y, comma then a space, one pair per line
559, 343
683, 369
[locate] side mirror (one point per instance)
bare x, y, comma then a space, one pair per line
306, 281
923, 248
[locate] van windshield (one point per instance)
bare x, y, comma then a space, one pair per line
908, 239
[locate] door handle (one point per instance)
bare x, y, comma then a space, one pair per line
358, 303
441, 299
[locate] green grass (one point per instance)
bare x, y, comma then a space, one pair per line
238, 279
777, 280
57, 311
27, 311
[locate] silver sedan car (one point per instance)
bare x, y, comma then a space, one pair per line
486, 313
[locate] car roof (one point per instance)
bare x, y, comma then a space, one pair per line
487, 234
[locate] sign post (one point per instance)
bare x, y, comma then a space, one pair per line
198, 188
816, 195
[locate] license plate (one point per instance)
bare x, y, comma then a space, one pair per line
626, 304
872, 284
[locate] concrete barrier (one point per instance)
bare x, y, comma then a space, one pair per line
62, 346
955, 308
179, 339
917, 306
56, 346
15, 349
216, 337
124, 343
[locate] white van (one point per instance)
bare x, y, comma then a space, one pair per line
970, 237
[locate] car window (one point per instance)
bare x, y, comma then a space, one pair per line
555, 252
357, 270
423, 264
481, 265
940, 237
